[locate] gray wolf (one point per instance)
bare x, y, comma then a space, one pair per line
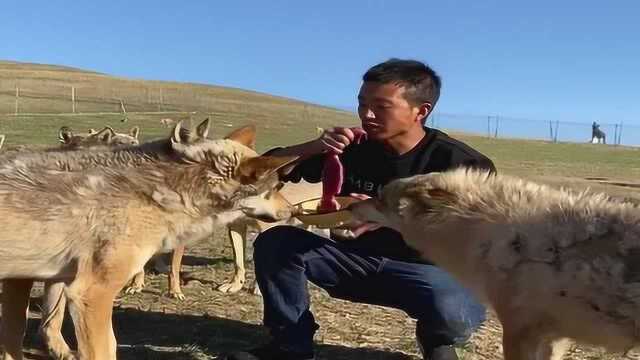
104, 223
554, 264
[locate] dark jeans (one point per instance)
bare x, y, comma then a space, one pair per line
286, 257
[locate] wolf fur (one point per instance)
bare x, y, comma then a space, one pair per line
103, 224
239, 232
554, 264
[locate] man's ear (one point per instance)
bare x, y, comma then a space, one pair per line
255, 168
424, 110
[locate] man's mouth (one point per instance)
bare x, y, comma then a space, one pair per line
371, 126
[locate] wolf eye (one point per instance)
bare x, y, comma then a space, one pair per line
279, 186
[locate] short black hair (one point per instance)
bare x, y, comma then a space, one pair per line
421, 82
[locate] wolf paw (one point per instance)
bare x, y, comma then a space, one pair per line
133, 289
231, 287
57, 347
177, 295
256, 290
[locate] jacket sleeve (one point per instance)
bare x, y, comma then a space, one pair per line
310, 169
472, 160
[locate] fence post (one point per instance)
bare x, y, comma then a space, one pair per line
620, 134
124, 111
489, 126
73, 99
550, 130
495, 134
555, 136
17, 99
615, 134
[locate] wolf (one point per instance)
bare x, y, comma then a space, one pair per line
105, 137
53, 304
107, 153
239, 232
104, 223
556, 265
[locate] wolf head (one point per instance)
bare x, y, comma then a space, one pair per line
402, 201
238, 179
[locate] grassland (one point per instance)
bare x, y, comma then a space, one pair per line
209, 322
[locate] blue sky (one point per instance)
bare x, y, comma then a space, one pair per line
550, 60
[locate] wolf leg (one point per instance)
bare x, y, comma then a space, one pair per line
53, 306
175, 291
524, 340
15, 310
91, 305
238, 237
137, 284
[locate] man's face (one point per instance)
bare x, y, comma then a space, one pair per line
384, 111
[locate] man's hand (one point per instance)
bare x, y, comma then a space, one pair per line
335, 140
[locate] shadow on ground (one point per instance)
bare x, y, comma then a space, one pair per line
153, 335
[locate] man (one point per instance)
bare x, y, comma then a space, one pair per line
375, 267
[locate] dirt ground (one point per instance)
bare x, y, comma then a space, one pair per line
151, 325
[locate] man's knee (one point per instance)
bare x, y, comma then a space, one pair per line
278, 244
457, 316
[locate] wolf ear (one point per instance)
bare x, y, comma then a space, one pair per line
437, 198
134, 132
255, 168
202, 130
245, 135
414, 200
180, 135
65, 134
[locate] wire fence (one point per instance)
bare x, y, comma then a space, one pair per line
496, 126
34, 96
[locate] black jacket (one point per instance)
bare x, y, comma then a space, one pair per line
368, 166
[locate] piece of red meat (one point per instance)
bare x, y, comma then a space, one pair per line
332, 176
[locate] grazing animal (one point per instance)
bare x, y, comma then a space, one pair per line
597, 136
554, 264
